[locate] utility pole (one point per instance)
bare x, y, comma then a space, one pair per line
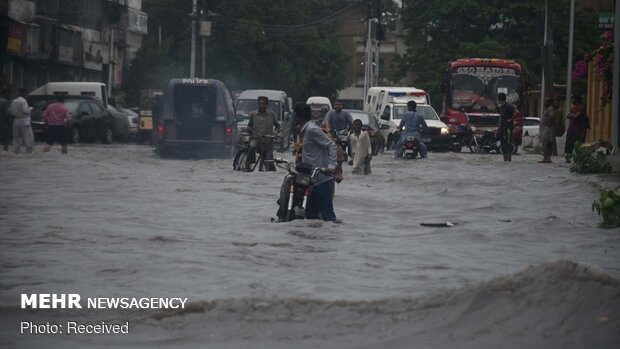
569, 68
615, 94
367, 62
204, 47
368, 71
192, 64
379, 36
205, 30
111, 61
547, 82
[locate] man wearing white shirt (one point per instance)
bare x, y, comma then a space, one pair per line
22, 131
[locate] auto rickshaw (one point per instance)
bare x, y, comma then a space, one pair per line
148, 102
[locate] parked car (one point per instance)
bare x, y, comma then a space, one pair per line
530, 126
38, 104
90, 120
121, 123
370, 124
132, 118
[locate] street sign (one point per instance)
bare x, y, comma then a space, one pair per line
205, 28
606, 20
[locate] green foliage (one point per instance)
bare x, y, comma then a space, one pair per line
608, 206
440, 31
151, 68
590, 158
274, 44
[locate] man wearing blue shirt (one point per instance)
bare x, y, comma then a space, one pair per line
413, 124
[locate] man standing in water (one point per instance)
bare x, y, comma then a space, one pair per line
57, 118
319, 151
6, 121
506, 124
22, 132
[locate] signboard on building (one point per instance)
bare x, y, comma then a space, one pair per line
93, 55
138, 21
65, 54
70, 47
31, 41
16, 38
606, 20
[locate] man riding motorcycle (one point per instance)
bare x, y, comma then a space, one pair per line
338, 123
413, 124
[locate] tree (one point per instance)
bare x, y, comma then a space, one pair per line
445, 30
273, 44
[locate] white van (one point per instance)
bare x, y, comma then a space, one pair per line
379, 98
389, 104
319, 100
74, 88
279, 103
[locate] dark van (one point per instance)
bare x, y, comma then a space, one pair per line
195, 116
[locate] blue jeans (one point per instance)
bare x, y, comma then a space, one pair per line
398, 148
320, 201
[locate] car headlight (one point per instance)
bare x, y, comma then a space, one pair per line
444, 130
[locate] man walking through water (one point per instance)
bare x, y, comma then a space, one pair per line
506, 124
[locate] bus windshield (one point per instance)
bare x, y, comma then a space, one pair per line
476, 88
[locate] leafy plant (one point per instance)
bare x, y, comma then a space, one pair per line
608, 206
590, 158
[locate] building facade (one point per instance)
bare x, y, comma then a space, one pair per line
353, 35
68, 40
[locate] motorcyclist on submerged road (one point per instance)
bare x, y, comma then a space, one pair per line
337, 121
413, 124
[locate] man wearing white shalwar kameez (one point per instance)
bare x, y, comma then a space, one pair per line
361, 149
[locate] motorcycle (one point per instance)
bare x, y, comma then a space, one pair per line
410, 148
295, 189
460, 137
342, 139
484, 143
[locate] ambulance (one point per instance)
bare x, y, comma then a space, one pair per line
389, 104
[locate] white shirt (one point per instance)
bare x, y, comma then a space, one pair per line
19, 108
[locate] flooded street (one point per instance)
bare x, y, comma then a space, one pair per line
524, 264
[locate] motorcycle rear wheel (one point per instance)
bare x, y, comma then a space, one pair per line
283, 212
